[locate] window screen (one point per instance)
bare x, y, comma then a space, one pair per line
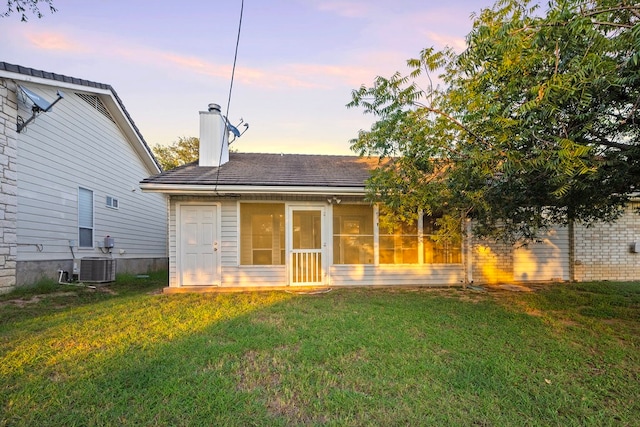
262, 234
438, 253
353, 234
399, 244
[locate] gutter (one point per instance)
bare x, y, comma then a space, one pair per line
250, 189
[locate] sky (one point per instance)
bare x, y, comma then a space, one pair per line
297, 60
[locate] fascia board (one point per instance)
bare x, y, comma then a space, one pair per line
53, 83
247, 189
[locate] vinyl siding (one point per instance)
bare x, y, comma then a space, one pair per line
543, 260
229, 238
72, 146
254, 275
235, 275
397, 275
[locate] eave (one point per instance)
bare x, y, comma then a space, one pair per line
194, 189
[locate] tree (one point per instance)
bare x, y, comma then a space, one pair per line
181, 152
536, 123
22, 6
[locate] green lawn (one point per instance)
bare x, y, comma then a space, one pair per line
124, 354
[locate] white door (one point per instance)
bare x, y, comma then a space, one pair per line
306, 246
199, 256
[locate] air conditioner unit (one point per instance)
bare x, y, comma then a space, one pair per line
97, 270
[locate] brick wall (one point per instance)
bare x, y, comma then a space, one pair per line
8, 186
492, 262
603, 251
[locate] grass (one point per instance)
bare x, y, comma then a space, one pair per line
565, 355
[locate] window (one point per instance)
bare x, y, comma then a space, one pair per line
85, 218
352, 234
438, 253
112, 202
399, 243
262, 234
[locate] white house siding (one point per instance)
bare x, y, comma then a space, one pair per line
546, 259
254, 276
236, 275
233, 274
397, 275
8, 188
229, 239
604, 251
72, 146
174, 280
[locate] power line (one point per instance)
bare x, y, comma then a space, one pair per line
233, 72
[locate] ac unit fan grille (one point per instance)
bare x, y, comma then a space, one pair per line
97, 270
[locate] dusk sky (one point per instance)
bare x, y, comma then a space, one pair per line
298, 60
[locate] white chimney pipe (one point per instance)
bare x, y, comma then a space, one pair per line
214, 139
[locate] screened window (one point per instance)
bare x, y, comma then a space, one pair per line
85, 218
438, 253
262, 234
399, 244
352, 234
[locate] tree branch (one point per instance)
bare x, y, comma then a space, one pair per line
612, 24
633, 9
454, 120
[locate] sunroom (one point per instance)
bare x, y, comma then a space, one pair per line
239, 220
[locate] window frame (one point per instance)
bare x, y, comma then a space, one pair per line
112, 202
340, 238
243, 239
84, 216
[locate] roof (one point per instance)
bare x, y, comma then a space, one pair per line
259, 172
31, 72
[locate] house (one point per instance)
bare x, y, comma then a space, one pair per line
251, 220
71, 160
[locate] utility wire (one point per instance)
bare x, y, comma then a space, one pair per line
233, 73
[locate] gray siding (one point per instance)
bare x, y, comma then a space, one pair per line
72, 146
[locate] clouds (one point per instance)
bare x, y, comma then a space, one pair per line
48, 40
297, 64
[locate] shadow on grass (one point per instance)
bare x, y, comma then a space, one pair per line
350, 357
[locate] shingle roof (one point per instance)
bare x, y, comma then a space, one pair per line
274, 170
19, 69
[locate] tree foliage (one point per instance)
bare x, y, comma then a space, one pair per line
536, 122
22, 7
181, 152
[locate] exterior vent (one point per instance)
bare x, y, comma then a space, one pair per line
97, 270
95, 102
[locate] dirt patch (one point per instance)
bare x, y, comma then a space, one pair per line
19, 302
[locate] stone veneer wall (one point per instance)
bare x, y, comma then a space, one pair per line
8, 186
603, 251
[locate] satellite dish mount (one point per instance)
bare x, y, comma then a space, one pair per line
40, 105
234, 129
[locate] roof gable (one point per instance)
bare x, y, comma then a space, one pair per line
107, 92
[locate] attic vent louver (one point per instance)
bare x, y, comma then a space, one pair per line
95, 102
